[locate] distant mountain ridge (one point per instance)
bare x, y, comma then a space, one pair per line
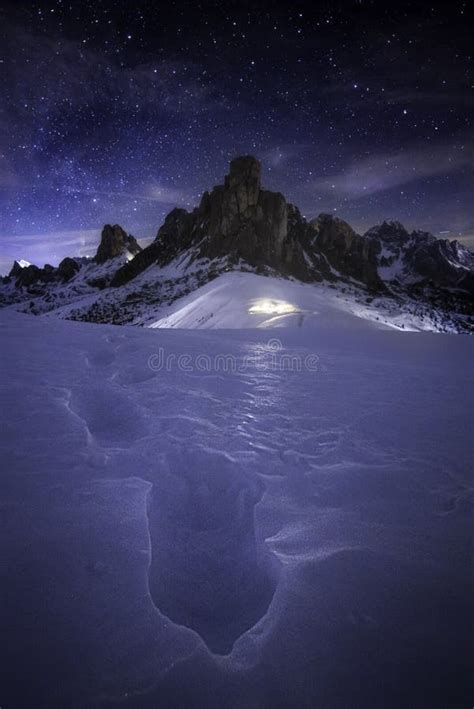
240, 221
240, 226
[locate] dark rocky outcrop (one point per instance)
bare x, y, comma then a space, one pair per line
29, 275
16, 269
114, 242
445, 264
422, 258
239, 223
346, 252
391, 232
243, 221
131, 269
26, 276
67, 269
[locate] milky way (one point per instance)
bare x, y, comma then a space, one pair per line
119, 111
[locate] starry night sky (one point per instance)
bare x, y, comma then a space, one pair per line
119, 111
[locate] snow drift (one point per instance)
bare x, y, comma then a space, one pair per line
270, 536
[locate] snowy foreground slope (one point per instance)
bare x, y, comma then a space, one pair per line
175, 299
262, 523
247, 300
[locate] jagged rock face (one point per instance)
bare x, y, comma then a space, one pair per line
16, 270
139, 263
242, 185
174, 236
389, 231
237, 221
29, 275
346, 252
26, 276
114, 242
239, 225
298, 249
418, 258
444, 263
67, 269
242, 221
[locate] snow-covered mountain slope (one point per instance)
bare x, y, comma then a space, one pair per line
204, 294
246, 300
235, 518
41, 296
410, 259
419, 282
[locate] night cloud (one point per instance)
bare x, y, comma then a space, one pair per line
152, 192
120, 113
388, 170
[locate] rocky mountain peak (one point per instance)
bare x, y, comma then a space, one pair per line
114, 242
17, 268
347, 252
68, 268
238, 224
244, 167
328, 227
243, 181
242, 221
390, 230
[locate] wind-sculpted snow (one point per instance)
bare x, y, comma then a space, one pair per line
292, 529
208, 571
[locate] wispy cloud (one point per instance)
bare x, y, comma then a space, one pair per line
157, 192
385, 171
153, 192
281, 155
49, 247
466, 239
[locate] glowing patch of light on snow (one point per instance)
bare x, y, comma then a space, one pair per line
268, 306
23, 263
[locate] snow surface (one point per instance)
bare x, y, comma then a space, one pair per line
290, 529
246, 300
239, 300
395, 269
180, 295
